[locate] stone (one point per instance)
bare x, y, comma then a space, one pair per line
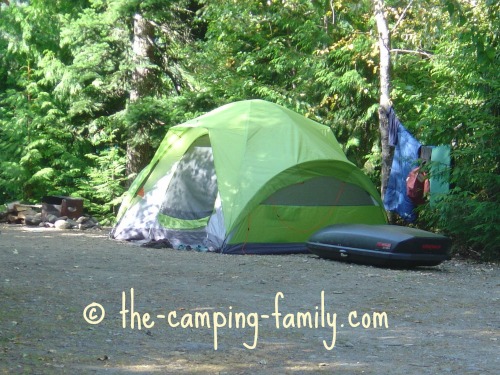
73, 223
62, 224
32, 220
51, 218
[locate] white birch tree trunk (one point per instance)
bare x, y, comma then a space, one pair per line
385, 84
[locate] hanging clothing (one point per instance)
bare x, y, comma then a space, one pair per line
406, 155
440, 173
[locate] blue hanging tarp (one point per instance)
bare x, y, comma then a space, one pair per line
405, 159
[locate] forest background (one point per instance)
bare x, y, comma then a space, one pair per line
88, 89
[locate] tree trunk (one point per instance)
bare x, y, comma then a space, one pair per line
139, 150
385, 81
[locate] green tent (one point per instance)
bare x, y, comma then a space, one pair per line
248, 177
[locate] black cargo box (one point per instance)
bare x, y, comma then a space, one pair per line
380, 245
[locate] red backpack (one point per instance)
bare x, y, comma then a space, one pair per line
417, 186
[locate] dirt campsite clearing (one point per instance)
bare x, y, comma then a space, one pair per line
76, 302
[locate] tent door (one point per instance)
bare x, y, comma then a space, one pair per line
192, 191
190, 200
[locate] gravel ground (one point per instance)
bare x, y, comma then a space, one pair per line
201, 313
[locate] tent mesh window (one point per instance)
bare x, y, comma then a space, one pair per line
193, 189
321, 191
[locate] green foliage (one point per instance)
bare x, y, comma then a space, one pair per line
472, 223
300, 54
102, 184
65, 82
452, 97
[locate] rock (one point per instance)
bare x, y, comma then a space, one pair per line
32, 220
82, 219
62, 224
92, 220
51, 218
88, 225
92, 223
73, 223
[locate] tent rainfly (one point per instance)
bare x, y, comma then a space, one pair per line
250, 177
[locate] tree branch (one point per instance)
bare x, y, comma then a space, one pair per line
415, 52
332, 7
401, 16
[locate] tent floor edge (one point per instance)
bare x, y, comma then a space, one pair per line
265, 248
